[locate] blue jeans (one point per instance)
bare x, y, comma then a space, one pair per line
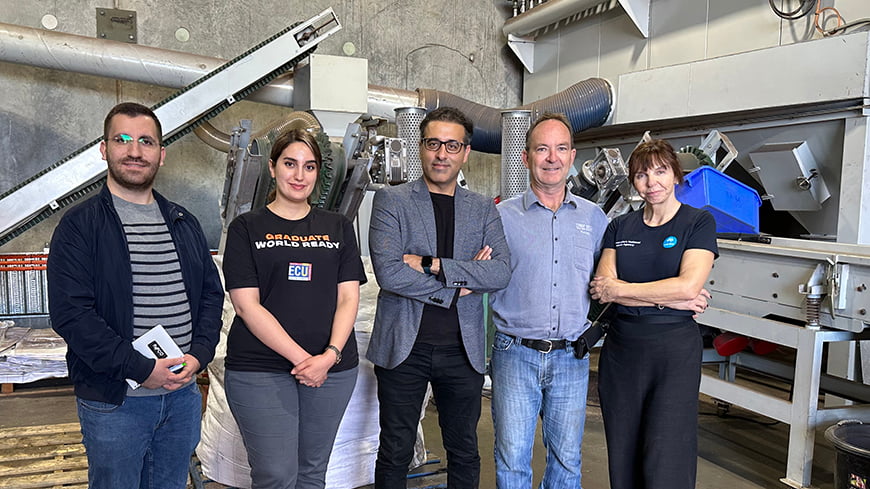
526, 384
288, 429
146, 442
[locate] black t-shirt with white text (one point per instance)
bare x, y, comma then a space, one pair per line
297, 266
650, 253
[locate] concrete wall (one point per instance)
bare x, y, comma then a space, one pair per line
451, 45
681, 31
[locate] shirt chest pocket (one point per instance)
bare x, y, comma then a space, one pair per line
583, 250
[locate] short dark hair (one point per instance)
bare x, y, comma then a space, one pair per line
651, 154
448, 114
548, 116
132, 109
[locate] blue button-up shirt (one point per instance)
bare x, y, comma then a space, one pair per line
553, 257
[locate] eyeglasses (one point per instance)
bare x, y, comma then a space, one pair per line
434, 144
124, 140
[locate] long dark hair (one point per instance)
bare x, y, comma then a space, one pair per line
288, 138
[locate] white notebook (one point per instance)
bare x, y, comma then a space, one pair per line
156, 343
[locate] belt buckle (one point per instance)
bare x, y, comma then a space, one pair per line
549, 346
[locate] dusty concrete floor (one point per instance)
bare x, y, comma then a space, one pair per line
740, 450
737, 450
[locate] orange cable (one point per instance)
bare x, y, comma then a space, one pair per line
818, 14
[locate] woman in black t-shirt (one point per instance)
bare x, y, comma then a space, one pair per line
653, 266
293, 273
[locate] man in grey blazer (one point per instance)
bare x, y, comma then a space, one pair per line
435, 249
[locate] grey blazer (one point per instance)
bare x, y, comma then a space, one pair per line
403, 222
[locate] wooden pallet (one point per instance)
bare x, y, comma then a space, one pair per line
49, 456
33, 389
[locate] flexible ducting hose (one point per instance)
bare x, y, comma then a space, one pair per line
586, 103
296, 120
220, 140
213, 136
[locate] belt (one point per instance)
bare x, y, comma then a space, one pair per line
544, 346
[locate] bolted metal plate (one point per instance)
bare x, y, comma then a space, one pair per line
117, 25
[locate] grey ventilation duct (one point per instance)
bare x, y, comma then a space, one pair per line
587, 103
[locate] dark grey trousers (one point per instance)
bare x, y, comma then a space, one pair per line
288, 428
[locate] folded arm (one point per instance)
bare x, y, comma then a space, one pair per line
401, 273
386, 246
685, 291
415, 262
487, 270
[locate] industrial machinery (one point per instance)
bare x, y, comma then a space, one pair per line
366, 162
805, 147
802, 282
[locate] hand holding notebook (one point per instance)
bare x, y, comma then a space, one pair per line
156, 343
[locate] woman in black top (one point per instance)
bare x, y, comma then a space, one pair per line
293, 273
653, 266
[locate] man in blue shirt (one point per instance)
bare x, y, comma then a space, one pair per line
554, 238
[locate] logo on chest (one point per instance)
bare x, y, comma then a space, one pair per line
300, 272
586, 229
669, 242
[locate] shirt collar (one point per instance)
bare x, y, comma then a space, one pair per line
529, 199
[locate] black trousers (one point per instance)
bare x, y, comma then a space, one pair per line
456, 387
648, 385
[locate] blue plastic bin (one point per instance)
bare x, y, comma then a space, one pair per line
733, 204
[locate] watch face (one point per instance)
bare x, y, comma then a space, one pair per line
426, 261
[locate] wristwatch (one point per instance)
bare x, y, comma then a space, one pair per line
337, 352
426, 263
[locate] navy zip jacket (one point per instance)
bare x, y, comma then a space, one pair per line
90, 294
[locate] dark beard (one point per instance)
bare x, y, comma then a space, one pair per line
121, 180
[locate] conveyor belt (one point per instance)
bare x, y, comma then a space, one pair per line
75, 176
